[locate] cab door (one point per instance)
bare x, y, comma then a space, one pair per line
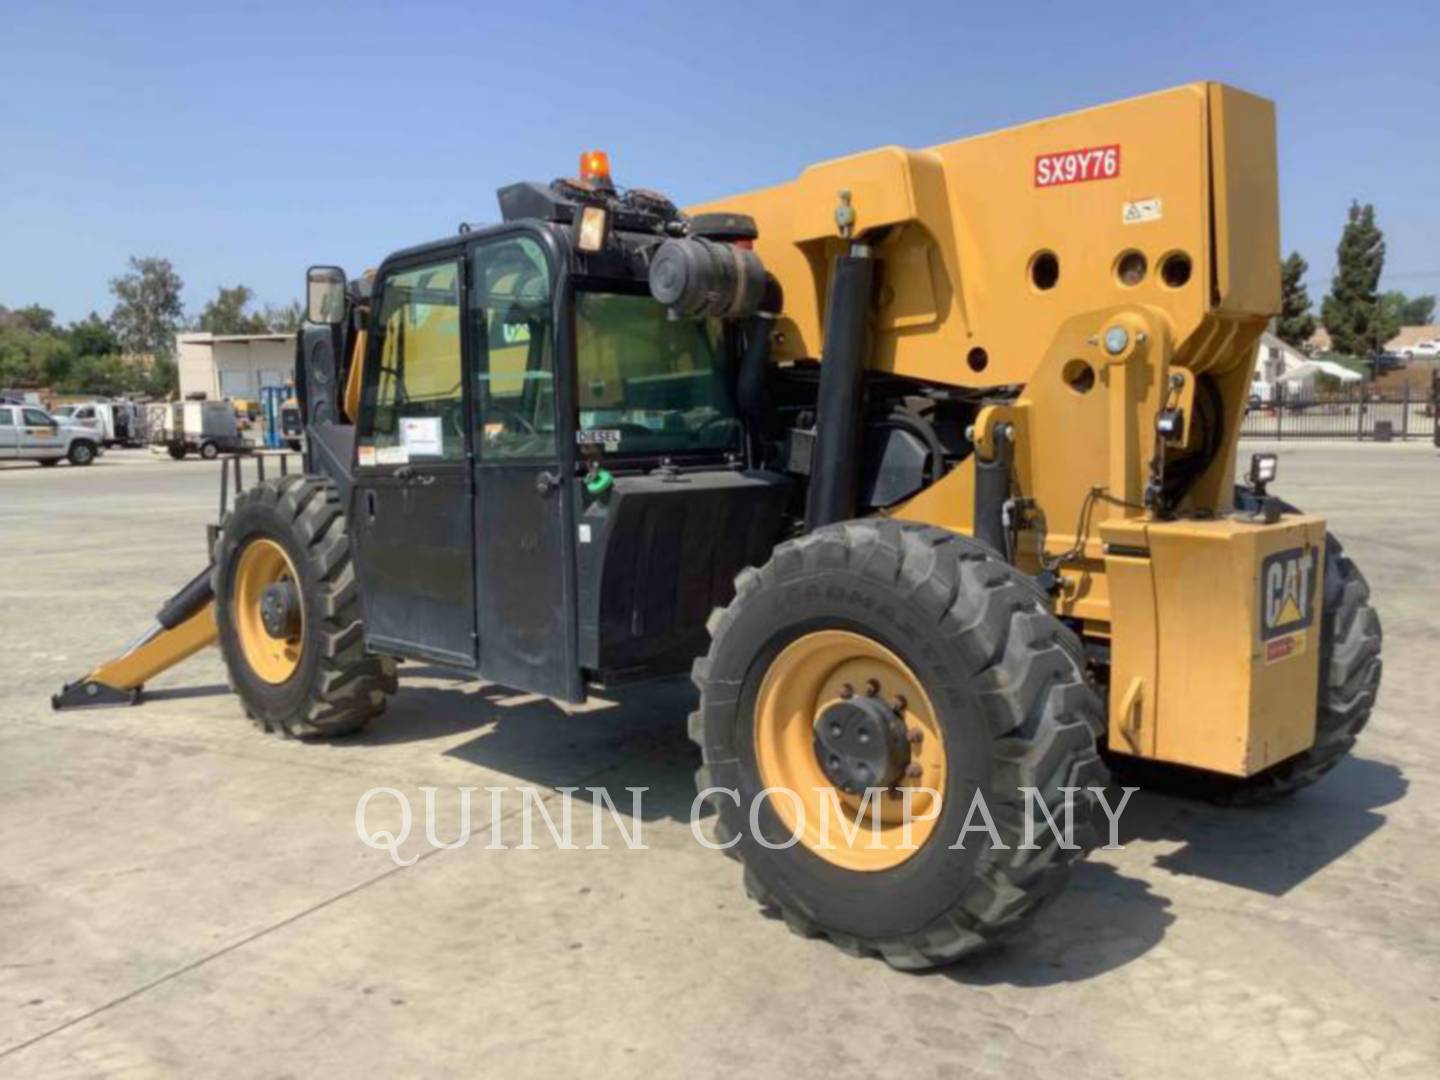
9, 438
40, 434
411, 501
524, 469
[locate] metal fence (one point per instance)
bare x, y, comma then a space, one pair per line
1361, 411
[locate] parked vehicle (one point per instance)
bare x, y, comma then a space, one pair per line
29, 433
119, 423
281, 419
690, 441
1422, 350
207, 428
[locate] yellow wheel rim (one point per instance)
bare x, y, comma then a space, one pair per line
264, 563
855, 832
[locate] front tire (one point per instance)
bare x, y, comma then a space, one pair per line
1001, 680
288, 612
175, 451
81, 453
209, 451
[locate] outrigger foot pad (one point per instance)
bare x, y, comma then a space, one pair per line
84, 692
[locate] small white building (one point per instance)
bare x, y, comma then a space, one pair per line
1278, 362
233, 365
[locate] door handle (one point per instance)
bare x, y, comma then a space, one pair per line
405, 472
546, 482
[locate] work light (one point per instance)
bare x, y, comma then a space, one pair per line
590, 237
1262, 471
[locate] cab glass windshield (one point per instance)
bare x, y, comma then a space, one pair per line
647, 383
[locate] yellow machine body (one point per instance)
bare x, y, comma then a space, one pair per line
1008, 260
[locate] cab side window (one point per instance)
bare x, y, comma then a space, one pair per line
36, 418
511, 319
7, 418
413, 405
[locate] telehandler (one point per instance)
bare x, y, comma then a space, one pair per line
924, 460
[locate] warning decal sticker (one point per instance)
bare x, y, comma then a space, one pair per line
1139, 211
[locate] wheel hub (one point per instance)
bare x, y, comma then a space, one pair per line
280, 609
861, 742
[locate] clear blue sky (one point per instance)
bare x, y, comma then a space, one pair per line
246, 141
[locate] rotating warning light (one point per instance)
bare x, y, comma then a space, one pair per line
595, 168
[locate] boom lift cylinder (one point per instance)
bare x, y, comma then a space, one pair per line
835, 467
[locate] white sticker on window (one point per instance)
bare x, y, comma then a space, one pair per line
367, 455
421, 436
1140, 210
585, 534
609, 438
391, 455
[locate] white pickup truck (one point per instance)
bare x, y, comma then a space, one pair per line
29, 433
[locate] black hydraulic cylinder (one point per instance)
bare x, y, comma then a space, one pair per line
835, 464
992, 489
753, 397
195, 594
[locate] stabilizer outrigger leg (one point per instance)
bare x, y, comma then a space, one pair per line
184, 626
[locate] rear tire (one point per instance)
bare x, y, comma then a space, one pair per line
176, 452
209, 451
81, 453
1007, 684
336, 686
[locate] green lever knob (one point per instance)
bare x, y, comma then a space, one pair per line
599, 482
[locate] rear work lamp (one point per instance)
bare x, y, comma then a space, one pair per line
590, 236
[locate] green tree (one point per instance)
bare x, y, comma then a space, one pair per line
1353, 315
226, 313
1296, 322
92, 336
284, 319
147, 307
162, 379
33, 352
36, 319
1409, 310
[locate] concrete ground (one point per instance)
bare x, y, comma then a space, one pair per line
180, 894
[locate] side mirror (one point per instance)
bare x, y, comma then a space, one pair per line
325, 295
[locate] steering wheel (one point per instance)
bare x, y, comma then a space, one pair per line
455, 421
507, 414
729, 422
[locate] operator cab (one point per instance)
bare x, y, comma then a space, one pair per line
547, 477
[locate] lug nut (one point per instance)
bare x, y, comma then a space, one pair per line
835, 731
871, 688
915, 735
914, 772
847, 692
899, 703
